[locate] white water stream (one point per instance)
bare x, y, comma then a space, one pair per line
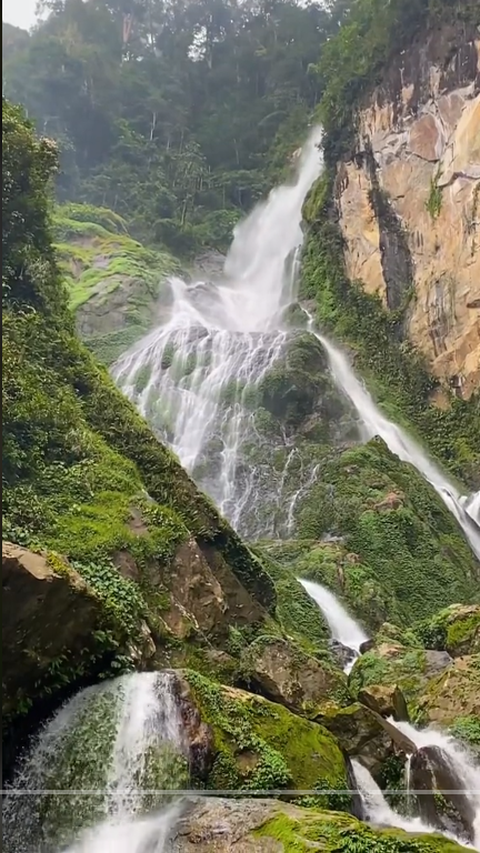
92, 768
192, 376
342, 626
458, 758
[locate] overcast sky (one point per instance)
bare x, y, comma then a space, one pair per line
21, 13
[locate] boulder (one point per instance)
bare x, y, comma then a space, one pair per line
392, 664
386, 700
257, 744
454, 693
286, 674
54, 629
432, 772
218, 825
364, 734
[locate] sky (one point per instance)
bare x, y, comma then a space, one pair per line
21, 13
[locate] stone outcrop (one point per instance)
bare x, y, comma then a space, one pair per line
432, 773
50, 618
216, 825
364, 734
454, 693
287, 675
409, 201
386, 700
246, 741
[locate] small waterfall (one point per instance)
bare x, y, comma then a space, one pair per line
463, 765
466, 511
342, 626
104, 759
376, 809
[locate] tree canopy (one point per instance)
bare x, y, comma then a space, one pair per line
175, 114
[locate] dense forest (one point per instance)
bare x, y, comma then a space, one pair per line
175, 115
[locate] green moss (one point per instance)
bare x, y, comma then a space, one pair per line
467, 729
333, 832
261, 745
434, 201
396, 534
406, 668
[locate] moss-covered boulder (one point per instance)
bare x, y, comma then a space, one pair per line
114, 282
454, 696
386, 700
258, 744
284, 673
455, 629
270, 826
407, 667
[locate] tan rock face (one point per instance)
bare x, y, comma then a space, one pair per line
419, 145
455, 693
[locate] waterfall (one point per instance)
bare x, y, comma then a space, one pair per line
376, 809
463, 765
343, 628
194, 375
466, 511
103, 760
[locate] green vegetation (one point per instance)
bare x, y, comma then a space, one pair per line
434, 201
261, 745
81, 468
396, 534
336, 833
177, 119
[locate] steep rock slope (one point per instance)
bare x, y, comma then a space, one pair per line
408, 200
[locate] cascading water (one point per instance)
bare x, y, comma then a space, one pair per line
462, 764
378, 812
96, 766
466, 511
343, 628
194, 377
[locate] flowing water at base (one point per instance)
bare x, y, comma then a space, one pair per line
147, 835
458, 758
102, 760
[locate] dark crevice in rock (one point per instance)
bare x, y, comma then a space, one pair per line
396, 259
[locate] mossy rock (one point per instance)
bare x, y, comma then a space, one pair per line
393, 664
285, 673
258, 744
261, 826
113, 280
453, 695
455, 629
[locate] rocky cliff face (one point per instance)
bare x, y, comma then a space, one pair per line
409, 201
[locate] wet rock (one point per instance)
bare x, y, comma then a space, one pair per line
432, 771
366, 646
343, 654
285, 674
386, 700
364, 734
219, 825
